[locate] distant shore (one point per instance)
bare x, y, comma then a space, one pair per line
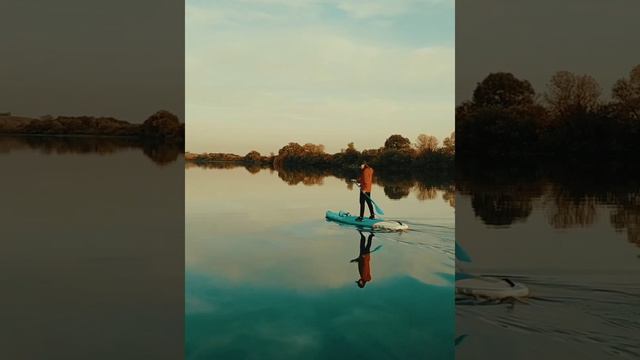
162, 127
397, 156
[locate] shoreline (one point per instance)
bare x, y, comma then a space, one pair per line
161, 127
133, 137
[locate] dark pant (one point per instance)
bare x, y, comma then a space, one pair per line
368, 200
365, 246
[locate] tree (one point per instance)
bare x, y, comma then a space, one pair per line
503, 90
626, 95
426, 143
313, 149
291, 149
450, 143
570, 94
253, 157
350, 150
351, 155
397, 142
163, 124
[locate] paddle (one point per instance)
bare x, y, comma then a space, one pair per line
378, 209
461, 254
370, 252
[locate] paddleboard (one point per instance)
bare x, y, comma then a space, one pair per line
492, 288
376, 224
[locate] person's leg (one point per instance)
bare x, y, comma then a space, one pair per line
362, 244
362, 199
369, 204
368, 246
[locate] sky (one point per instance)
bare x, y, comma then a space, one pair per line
263, 73
535, 39
118, 58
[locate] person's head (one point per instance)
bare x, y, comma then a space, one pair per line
361, 283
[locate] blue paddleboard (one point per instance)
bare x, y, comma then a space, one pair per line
346, 218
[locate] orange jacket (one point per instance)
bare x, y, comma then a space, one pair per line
366, 179
364, 267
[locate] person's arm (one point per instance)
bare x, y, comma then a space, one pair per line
361, 179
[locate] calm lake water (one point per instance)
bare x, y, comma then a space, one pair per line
575, 246
92, 250
267, 277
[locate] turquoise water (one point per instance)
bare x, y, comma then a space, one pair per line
267, 277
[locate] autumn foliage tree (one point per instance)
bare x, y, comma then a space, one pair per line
253, 157
426, 143
397, 156
449, 143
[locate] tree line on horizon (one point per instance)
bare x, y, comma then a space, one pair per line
160, 127
507, 119
398, 154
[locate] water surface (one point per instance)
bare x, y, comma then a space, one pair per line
575, 245
92, 249
269, 278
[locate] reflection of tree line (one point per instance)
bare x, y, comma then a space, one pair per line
572, 196
395, 186
160, 153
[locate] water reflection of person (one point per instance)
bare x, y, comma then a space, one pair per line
364, 260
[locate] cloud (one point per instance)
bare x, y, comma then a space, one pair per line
196, 16
317, 76
360, 9
292, 75
256, 10
316, 61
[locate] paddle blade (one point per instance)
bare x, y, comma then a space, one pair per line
461, 254
378, 210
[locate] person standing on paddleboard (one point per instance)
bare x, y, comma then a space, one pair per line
365, 182
364, 260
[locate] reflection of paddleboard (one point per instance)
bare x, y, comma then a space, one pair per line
376, 224
492, 288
